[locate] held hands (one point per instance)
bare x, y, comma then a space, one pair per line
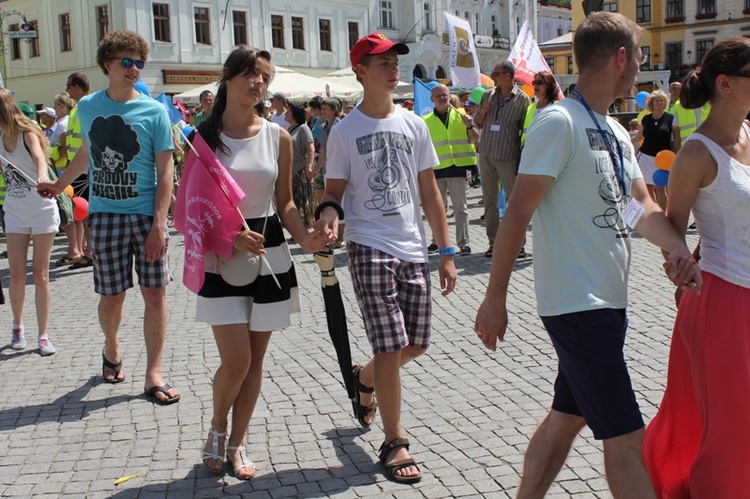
314, 242
682, 269
491, 323
328, 225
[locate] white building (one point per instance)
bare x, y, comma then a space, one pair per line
189, 40
553, 21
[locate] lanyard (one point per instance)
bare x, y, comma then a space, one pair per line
619, 167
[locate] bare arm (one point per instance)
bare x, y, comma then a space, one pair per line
492, 317
35, 148
677, 139
309, 158
432, 205
76, 167
155, 246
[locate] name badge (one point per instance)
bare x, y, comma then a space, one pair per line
633, 213
494, 128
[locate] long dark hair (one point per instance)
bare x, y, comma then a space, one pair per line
725, 57
240, 62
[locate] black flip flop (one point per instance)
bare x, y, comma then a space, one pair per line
151, 393
116, 368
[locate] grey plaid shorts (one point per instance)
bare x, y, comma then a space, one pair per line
394, 297
118, 240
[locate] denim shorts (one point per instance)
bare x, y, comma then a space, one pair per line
592, 379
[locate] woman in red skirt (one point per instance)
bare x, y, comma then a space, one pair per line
698, 445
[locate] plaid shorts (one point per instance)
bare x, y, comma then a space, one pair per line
394, 297
117, 240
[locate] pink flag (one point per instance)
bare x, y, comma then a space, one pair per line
205, 211
182, 108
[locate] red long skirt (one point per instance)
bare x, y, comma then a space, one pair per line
698, 445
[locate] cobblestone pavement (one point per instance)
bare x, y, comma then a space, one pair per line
468, 412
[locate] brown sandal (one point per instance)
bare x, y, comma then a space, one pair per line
363, 411
400, 464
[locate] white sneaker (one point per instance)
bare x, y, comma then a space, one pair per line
45, 346
17, 339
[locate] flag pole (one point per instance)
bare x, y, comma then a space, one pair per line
244, 222
18, 170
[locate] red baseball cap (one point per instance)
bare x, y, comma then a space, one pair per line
375, 43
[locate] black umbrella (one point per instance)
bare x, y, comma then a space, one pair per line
336, 318
2, 295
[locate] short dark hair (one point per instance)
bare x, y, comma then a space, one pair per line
281, 97
549, 80
508, 67
79, 80
205, 92
315, 102
120, 41
298, 112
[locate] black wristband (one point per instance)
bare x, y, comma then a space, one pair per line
326, 204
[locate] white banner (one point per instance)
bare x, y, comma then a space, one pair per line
463, 55
526, 56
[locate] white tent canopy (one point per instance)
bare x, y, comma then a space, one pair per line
290, 83
346, 76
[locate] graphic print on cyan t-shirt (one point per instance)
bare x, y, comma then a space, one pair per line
609, 188
388, 178
114, 144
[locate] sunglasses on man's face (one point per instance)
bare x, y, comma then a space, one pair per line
127, 62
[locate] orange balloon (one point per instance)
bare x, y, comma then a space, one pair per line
528, 90
664, 159
69, 191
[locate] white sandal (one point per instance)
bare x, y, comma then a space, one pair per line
245, 462
214, 454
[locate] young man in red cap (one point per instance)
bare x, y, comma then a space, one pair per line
382, 160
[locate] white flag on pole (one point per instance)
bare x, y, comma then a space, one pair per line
526, 56
463, 55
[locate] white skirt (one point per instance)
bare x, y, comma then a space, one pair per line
648, 167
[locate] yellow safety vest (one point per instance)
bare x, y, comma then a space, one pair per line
452, 144
74, 137
530, 114
3, 189
686, 117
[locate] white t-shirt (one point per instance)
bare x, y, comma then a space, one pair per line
380, 159
60, 127
280, 119
581, 243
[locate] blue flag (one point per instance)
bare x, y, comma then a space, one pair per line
174, 114
422, 103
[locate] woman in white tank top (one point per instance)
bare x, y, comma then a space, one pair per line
258, 155
28, 216
698, 445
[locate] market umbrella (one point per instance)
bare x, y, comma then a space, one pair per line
336, 318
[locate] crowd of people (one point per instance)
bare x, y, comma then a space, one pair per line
566, 165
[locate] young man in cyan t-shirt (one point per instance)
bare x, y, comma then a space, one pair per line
382, 159
128, 150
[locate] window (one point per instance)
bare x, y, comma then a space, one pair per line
570, 64
161, 23
707, 8
386, 14
428, 17
298, 33
559, 32
440, 73
646, 51
675, 9
476, 22
674, 55
747, 6
102, 21
493, 22
277, 31
15, 44
467, 16
65, 43
202, 25
609, 7
34, 45
643, 11
701, 48
353, 29
239, 23
550, 63
325, 35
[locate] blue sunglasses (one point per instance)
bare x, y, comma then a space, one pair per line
127, 62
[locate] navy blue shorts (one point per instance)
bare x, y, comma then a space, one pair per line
592, 378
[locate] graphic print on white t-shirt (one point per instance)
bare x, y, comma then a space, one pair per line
610, 190
388, 178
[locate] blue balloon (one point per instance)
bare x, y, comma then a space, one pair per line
661, 178
433, 84
142, 88
640, 99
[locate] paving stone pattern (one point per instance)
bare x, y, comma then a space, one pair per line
468, 412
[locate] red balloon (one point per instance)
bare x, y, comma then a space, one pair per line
80, 208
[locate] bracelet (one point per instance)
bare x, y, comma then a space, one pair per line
326, 204
447, 251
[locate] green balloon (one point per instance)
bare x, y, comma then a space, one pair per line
476, 94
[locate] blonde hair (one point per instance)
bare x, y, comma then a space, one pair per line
656, 94
455, 102
13, 121
64, 99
